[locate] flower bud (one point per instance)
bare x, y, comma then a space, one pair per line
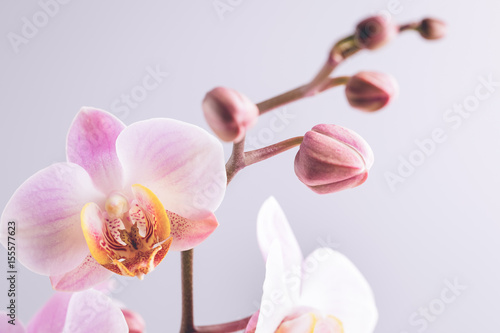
370, 91
229, 113
134, 321
374, 32
332, 158
431, 28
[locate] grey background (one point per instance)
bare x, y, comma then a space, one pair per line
441, 224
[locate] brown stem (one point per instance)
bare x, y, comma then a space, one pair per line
233, 326
280, 100
327, 69
262, 154
187, 323
298, 93
240, 159
334, 82
237, 160
409, 26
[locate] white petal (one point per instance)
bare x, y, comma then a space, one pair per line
332, 284
276, 302
272, 225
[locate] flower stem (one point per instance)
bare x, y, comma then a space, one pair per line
233, 326
237, 160
262, 154
187, 323
240, 159
298, 93
409, 26
280, 100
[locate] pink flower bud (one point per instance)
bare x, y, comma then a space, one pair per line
374, 32
432, 28
332, 158
229, 113
134, 321
371, 91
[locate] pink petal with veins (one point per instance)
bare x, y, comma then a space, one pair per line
92, 311
46, 209
188, 233
89, 273
91, 144
181, 163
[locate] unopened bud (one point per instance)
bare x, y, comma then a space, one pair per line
370, 91
134, 321
374, 32
229, 113
431, 28
332, 158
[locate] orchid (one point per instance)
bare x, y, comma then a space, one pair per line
323, 293
125, 196
81, 312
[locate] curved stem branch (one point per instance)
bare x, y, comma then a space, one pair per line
240, 159
258, 155
280, 100
237, 160
409, 26
298, 93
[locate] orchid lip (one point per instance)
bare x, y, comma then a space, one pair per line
128, 237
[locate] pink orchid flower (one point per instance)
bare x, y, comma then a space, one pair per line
325, 293
86, 311
123, 198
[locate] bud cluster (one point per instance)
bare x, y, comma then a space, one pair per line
331, 158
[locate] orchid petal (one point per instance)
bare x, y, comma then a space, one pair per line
51, 318
272, 225
46, 209
88, 274
336, 287
181, 163
91, 144
276, 302
188, 233
92, 311
5, 327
